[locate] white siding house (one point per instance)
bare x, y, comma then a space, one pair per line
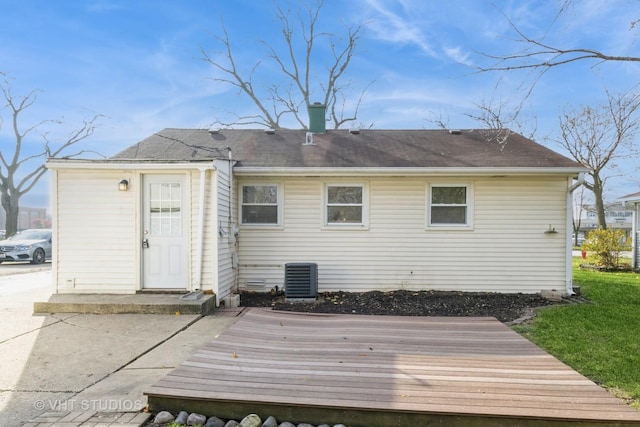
397, 248
109, 239
225, 211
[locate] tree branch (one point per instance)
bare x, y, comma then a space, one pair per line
16, 179
235, 78
540, 55
296, 66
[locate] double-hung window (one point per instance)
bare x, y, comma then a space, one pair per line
260, 204
449, 206
345, 204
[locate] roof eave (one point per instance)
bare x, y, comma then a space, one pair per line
378, 171
634, 198
128, 164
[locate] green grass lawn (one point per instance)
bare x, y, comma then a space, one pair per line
601, 340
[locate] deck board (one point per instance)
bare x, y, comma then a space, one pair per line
464, 370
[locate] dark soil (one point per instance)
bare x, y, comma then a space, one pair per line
504, 307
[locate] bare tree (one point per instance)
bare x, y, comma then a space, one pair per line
499, 119
21, 169
290, 98
598, 137
495, 124
539, 55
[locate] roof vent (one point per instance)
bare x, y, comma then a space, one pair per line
455, 131
269, 131
309, 139
214, 131
354, 131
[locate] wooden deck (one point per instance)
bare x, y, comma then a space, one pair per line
384, 371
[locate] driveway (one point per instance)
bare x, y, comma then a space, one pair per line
71, 362
11, 268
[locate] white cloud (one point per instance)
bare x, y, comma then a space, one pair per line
459, 55
391, 27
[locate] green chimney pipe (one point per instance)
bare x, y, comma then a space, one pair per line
317, 113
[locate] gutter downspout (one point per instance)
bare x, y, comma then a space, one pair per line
201, 217
233, 231
569, 244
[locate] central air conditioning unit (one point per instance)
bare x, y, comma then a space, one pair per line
301, 280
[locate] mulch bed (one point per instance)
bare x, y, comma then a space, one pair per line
504, 307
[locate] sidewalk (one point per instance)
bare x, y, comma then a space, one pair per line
89, 419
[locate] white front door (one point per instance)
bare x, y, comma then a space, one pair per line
164, 232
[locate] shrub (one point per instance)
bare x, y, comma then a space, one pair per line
605, 246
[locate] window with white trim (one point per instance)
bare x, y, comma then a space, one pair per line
345, 204
260, 204
449, 205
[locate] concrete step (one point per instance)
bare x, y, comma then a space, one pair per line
141, 303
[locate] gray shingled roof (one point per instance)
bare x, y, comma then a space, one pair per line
631, 197
343, 149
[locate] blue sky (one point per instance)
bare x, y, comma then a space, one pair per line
139, 63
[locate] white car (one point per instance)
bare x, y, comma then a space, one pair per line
29, 245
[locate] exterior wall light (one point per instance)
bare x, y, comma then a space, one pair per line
123, 185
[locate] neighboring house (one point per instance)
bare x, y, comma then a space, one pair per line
27, 218
617, 216
632, 201
374, 209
